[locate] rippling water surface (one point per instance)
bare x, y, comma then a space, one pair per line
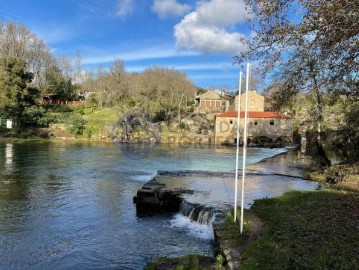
69, 205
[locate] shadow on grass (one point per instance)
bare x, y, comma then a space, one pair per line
306, 230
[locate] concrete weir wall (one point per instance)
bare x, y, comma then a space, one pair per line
155, 198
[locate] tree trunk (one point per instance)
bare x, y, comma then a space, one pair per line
179, 110
322, 156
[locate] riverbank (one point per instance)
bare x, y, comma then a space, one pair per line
301, 230
308, 230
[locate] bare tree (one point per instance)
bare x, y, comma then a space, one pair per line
308, 46
17, 41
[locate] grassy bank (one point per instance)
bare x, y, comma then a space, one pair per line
310, 230
306, 230
189, 262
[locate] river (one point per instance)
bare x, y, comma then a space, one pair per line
69, 205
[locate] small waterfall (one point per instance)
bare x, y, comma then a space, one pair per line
203, 214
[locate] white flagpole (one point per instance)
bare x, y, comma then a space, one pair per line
245, 145
238, 140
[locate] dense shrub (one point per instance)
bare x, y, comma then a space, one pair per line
36, 116
76, 125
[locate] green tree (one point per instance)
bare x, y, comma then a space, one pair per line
15, 92
59, 84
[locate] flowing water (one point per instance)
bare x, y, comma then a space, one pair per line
69, 205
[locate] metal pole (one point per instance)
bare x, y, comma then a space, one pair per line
244, 146
238, 140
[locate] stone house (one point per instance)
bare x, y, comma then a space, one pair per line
214, 101
269, 126
255, 102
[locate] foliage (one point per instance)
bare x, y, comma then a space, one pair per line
59, 108
34, 116
309, 44
15, 94
220, 260
307, 47
58, 84
164, 93
90, 130
76, 124
19, 42
159, 91
349, 131
182, 126
92, 101
342, 176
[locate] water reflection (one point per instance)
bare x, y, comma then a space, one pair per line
9, 153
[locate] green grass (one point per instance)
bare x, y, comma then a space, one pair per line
306, 230
189, 262
107, 115
228, 232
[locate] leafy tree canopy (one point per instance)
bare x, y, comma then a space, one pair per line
15, 93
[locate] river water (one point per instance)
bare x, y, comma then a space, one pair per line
69, 205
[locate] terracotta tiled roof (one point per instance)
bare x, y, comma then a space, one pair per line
255, 115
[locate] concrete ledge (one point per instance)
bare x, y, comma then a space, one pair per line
154, 198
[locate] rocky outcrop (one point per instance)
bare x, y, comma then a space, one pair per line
194, 128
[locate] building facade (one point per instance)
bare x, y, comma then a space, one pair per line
214, 101
255, 102
273, 126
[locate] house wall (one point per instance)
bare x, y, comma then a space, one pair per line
255, 102
211, 101
226, 128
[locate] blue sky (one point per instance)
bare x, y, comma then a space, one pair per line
199, 38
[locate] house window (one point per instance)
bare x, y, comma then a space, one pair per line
253, 101
271, 122
231, 121
255, 123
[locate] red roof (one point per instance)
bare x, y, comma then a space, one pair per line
255, 115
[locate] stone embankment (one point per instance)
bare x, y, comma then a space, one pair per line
230, 244
154, 198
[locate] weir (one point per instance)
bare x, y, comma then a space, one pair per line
155, 197
203, 214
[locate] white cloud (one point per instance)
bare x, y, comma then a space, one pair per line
224, 66
169, 8
207, 28
124, 8
134, 55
